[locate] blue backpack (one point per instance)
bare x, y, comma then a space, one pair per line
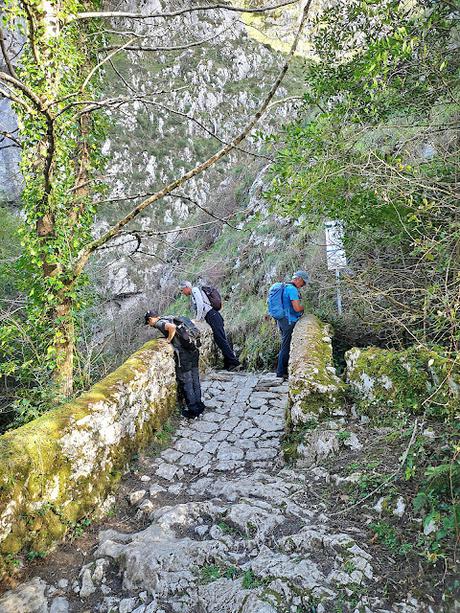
276, 303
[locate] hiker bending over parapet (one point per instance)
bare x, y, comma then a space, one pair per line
185, 338
206, 304
284, 306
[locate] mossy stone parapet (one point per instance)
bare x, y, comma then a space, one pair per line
208, 350
61, 467
315, 390
412, 380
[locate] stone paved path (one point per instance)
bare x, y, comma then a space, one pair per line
229, 528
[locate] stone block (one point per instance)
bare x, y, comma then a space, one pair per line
387, 380
315, 390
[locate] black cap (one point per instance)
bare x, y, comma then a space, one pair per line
148, 315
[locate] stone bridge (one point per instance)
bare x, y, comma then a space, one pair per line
215, 522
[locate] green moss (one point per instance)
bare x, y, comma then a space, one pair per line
70, 512
414, 380
11, 545
32, 465
314, 389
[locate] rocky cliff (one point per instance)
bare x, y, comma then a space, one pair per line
208, 92
197, 81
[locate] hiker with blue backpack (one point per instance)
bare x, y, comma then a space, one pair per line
206, 304
284, 306
184, 336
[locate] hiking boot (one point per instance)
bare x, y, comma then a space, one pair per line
189, 414
196, 409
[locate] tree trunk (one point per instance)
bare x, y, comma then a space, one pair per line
64, 345
64, 339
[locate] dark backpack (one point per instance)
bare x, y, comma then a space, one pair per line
212, 294
187, 333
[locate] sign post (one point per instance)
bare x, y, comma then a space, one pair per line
335, 254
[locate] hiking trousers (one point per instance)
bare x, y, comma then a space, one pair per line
216, 321
286, 329
189, 383
188, 377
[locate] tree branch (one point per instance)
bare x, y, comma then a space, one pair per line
205, 210
174, 230
12, 81
93, 105
129, 47
16, 83
204, 128
103, 61
16, 142
193, 9
30, 19
6, 57
88, 250
10, 96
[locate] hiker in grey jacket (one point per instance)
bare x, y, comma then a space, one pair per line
203, 309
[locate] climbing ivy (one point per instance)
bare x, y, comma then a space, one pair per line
59, 155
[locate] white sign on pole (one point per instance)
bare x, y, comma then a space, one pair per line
335, 252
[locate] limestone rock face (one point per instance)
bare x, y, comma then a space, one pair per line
218, 84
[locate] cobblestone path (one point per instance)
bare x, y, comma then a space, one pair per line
229, 528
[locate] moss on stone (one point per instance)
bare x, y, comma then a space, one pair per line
11, 545
41, 496
414, 380
314, 387
315, 390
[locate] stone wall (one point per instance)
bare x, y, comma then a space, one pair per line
61, 467
315, 390
413, 380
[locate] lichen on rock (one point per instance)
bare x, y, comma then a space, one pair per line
411, 380
315, 390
